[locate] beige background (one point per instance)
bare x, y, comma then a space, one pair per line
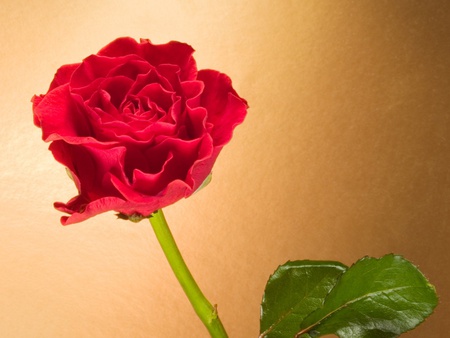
345, 152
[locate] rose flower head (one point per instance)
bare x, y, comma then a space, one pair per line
137, 126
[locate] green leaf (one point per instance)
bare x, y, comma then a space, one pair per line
379, 298
294, 291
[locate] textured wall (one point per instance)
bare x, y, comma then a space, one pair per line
345, 152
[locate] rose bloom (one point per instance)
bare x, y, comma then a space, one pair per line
137, 126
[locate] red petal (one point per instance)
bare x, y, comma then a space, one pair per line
35, 101
63, 75
95, 67
58, 116
225, 108
172, 53
88, 210
120, 47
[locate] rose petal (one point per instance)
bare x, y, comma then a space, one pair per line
171, 73
135, 126
100, 102
117, 87
225, 108
179, 155
88, 210
144, 204
131, 69
95, 67
58, 116
120, 47
35, 100
63, 75
157, 94
89, 165
173, 53
192, 91
151, 77
203, 166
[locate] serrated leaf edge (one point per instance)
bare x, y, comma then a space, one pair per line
368, 295
428, 284
284, 267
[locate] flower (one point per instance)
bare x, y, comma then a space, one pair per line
137, 126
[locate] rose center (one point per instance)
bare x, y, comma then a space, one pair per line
142, 108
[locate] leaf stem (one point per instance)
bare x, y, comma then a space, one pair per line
205, 311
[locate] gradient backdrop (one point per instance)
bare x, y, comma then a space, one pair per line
345, 153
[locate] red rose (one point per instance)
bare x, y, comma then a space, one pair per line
137, 126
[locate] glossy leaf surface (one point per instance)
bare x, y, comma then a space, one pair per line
379, 298
295, 290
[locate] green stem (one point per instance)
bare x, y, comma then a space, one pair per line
205, 311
